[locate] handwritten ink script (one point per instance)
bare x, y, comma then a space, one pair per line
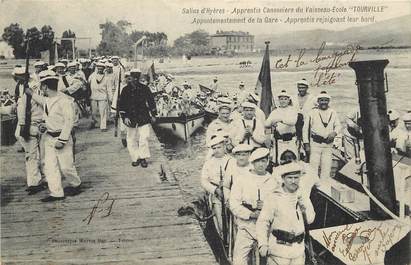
325, 64
102, 208
362, 243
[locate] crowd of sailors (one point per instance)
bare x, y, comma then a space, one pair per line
51, 100
260, 170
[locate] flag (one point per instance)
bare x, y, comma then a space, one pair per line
263, 86
151, 73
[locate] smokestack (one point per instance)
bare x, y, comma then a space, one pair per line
375, 127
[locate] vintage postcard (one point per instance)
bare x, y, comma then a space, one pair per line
205, 132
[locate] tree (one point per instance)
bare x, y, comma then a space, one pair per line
194, 43
114, 40
39, 40
35, 37
14, 36
66, 47
47, 34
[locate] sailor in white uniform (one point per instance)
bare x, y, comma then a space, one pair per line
212, 176
223, 121
280, 226
59, 121
282, 120
319, 131
403, 136
33, 144
248, 129
100, 96
248, 195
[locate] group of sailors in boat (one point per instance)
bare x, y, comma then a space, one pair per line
259, 172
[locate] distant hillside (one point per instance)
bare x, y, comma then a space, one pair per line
393, 32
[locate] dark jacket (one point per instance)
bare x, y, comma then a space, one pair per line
137, 104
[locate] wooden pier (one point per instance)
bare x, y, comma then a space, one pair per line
125, 214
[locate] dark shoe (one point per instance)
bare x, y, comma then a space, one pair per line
93, 124
35, 189
124, 142
72, 191
143, 163
21, 150
136, 163
52, 199
103, 130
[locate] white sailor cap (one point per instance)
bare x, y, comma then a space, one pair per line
135, 70
242, 148
259, 153
115, 57
63, 61
393, 115
407, 116
283, 93
19, 70
224, 100
288, 169
248, 105
241, 83
323, 94
71, 64
39, 63
109, 65
100, 64
82, 60
50, 67
127, 73
215, 78
47, 75
254, 97
216, 140
303, 82
59, 65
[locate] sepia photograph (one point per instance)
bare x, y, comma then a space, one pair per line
226, 132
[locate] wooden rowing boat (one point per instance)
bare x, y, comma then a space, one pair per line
210, 116
181, 127
206, 90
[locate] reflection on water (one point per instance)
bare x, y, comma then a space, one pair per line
186, 160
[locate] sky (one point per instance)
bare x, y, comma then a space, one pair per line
84, 16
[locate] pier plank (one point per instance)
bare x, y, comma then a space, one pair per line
143, 226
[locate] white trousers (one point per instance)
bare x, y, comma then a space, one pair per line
321, 156
274, 260
137, 142
33, 151
59, 163
244, 244
100, 107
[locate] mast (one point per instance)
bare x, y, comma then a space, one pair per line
375, 127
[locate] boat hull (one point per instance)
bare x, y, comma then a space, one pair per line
181, 127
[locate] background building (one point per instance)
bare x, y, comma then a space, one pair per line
232, 41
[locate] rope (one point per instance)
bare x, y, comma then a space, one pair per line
188, 210
381, 205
